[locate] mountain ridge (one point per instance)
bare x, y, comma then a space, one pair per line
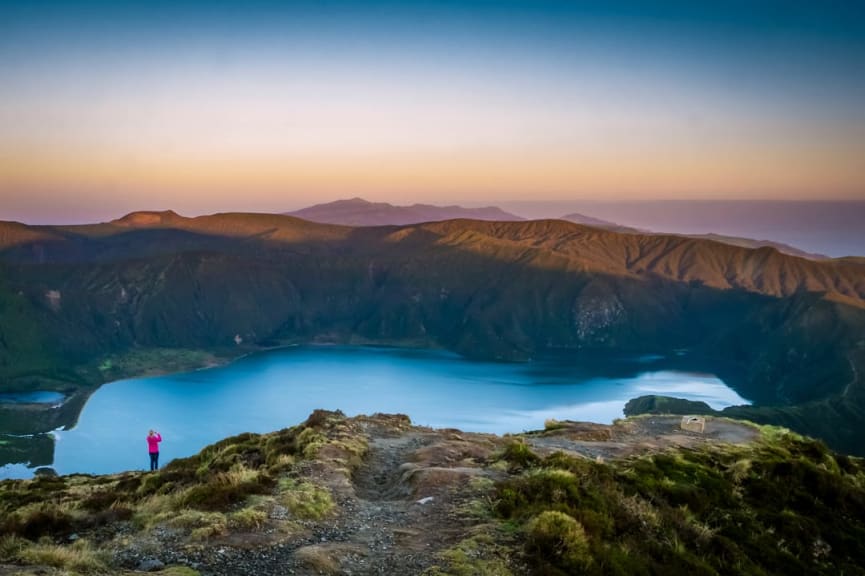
73, 296
359, 212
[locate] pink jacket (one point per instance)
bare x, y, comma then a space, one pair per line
153, 443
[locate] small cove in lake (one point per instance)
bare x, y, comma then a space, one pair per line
280, 388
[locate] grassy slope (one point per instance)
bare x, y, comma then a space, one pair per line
785, 505
780, 505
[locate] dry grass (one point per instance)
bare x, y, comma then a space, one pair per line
156, 508
238, 475
326, 558
247, 519
79, 557
10, 546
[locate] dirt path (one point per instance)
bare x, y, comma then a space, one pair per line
388, 522
382, 526
380, 478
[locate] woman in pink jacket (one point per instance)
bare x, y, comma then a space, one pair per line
153, 440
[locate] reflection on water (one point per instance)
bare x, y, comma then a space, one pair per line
273, 390
29, 451
52, 398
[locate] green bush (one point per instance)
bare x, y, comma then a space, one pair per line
785, 506
558, 539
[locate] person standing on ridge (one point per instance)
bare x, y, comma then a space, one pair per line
153, 440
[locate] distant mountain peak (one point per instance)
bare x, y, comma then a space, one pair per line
360, 212
147, 218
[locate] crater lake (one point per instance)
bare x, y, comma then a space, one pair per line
280, 388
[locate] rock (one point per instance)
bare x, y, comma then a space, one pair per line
45, 472
150, 565
426, 500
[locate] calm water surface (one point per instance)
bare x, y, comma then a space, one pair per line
278, 389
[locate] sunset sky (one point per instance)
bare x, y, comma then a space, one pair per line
107, 107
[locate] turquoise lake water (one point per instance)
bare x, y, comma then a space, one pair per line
277, 389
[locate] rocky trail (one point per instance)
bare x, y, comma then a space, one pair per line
394, 513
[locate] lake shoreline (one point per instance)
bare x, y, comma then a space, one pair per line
265, 390
211, 359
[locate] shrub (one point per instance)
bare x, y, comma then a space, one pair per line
556, 538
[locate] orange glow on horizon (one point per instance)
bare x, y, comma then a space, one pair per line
662, 173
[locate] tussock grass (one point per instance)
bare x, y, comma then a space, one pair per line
247, 519
209, 531
482, 554
11, 546
40, 519
223, 489
177, 571
79, 557
553, 424
201, 525
281, 462
518, 453
304, 499
309, 441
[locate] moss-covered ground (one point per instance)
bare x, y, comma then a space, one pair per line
782, 505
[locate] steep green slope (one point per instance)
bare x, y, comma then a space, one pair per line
76, 296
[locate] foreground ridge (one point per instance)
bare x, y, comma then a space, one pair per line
377, 495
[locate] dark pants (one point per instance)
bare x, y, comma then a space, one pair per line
154, 460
